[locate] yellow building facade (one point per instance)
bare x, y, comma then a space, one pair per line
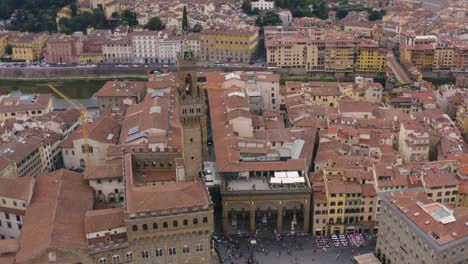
28, 46
371, 59
3, 43
233, 45
419, 56
91, 58
443, 58
351, 205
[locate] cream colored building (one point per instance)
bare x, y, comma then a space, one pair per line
229, 45
413, 142
441, 186
102, 133
117, 50
262, 88
15, 196
12, 107
417, 230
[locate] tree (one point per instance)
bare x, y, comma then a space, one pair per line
8, 49
247, 7
74, 9
269, 19
197, 28
185, 25
323, 10
341, 13
155, 23
376, 15
261, 50
130, 17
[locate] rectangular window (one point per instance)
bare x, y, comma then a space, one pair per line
172, 251
199, 248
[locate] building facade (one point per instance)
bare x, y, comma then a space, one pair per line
230, 45
414, 229
61, 48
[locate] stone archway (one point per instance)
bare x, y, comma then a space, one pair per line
266, 217
238, 219
293, 215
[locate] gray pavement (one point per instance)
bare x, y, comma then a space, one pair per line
295, 250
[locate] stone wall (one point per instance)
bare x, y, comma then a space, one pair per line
52, 72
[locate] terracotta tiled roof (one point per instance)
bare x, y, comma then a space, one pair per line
156, 118
167, 196
8, 246
106, 129
105, 219
112, 169
55, 217
228, 156
439, 179
425, 222
122, 88
24, 103
20, 188
67, 117
368, 190
347, 106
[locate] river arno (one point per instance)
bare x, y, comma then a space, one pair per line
80, 90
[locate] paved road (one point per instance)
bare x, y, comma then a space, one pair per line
301, 249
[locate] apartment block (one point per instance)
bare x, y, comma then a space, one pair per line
28, 46
319, 50
15, 197
441, 186
415, 229
154, 47
263, 88
25, 106
229, 45
117, 50
61, 48
102, 133
116, 94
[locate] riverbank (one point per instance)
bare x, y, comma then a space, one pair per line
73, 87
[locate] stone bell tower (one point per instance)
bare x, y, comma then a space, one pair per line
192, 114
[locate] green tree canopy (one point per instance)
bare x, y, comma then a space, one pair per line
155, 23
129, 18
8, 49
197, 28
247, 7
341, 13
269, 19
185, 25
376, 15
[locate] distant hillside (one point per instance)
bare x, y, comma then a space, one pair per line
32, 15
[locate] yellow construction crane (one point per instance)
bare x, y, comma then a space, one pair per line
84, 124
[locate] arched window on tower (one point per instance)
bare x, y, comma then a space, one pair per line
188, 84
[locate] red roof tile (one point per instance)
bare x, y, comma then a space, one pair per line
55, 217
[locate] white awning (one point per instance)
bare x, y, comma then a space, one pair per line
292, 174
280, 174
275, 180
288, 180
